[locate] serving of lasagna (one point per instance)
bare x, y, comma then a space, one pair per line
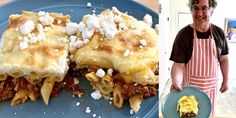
33, 56
41, 53
187, 106
120, 55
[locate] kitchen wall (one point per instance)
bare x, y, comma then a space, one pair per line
224, 9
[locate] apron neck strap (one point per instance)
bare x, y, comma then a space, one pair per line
195, 32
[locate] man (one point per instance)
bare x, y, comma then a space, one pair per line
197, 50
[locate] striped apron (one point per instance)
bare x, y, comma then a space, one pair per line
200, 71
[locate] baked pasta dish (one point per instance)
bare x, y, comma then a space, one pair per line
41, 53
33, 56
120, 55
187, 106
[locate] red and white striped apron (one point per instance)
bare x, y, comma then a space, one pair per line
200, 71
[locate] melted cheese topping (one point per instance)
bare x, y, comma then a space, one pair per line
34, 53
187, 104
113, 35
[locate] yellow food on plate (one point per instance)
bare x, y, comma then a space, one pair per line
187, 106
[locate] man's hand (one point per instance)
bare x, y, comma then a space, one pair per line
177, 72
224, 87
176, 86
224, 66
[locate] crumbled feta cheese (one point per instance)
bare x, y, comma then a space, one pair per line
41, 36
33, 40
89, 4
122, 27
115, 9
94, 11
46, 19
148, 19
100, 73
72, 28
143, 42
76, 81
23, 45
117, 18
96, 95
94, 115
77, 103
105, 25
126, 53
41, 13
64, 39
72, 40
92, 22
131, 112
87, 110
87, 33
110, 31
81, 26
78, 44
26, 39
85, 41
27, 27
40, 28
29, 35
141, 46
110, 71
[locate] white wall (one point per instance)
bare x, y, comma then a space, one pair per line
224, 9
163, 48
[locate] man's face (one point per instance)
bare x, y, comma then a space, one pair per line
201, 13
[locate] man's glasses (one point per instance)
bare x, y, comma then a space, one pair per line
196, 9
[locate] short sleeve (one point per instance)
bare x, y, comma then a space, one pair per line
221, 41
225, 48
182, 46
